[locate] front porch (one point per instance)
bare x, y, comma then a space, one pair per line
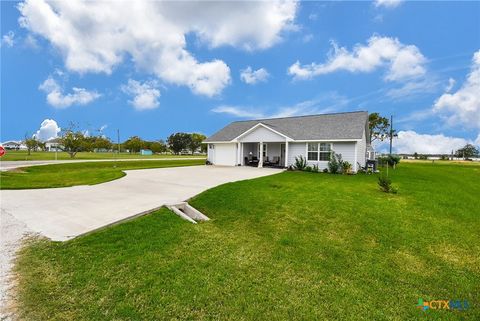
263, 154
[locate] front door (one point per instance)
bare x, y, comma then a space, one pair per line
282, 154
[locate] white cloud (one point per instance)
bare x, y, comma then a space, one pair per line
96, 36
462, 108
307, 38
9, 38
31, 42
328, 102
48, 129
252, 77
145, 95
388, 3
451, 84
56, 97
409, 142
238, 111
403, 62
414, 88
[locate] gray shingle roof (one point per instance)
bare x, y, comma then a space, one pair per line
349, 125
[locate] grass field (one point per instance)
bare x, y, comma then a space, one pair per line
290, 246
23, 156
86, 173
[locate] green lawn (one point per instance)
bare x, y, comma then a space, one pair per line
86, 173
290, 246
22, 155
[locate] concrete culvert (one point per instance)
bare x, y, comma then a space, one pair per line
187, 212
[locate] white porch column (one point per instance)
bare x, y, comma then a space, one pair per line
286, 153
239, 153
260, 162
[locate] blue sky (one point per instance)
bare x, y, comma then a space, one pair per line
150, 69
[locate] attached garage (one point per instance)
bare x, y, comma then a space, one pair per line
224, 154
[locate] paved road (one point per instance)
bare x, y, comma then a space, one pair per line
64, 213
8, 165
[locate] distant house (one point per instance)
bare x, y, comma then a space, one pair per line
14, 145
278, 141
53, 145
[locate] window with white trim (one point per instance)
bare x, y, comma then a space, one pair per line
319, 151
312, 151
325, 151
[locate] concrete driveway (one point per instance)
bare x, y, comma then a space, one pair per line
64, 213
9, 165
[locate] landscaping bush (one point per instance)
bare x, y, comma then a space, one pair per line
300, 163
325, 170
346, 167
315, 169
391, 160
335, 163
386, 186
308, 169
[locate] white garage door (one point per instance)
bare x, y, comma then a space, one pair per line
225, 154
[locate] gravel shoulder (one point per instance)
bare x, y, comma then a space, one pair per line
12, 231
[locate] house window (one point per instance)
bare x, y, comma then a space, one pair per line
319, 151
312, 151
325, 151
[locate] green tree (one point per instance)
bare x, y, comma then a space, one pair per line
101, 142
134, 144
87, 144
158, 146
32, 144
467, 151
42, 145
179, 142
72, 142
196, 142
379, 127
163, 146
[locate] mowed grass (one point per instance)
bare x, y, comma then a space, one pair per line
291, 246
85, 173
22, 155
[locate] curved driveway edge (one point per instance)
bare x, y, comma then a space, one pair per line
64, 213
8, 165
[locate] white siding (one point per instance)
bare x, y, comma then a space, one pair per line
362, 151
346, 149
261, 134
295, 150
273, 149
211, 153
223, 154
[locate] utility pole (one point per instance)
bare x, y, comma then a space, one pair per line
391, 133
118, 147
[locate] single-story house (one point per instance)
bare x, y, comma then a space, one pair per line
14, 145
278, 141
53, 145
